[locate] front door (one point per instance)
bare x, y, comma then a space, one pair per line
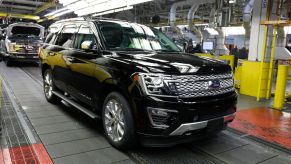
82, 65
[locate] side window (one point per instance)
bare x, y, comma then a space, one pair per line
66, 37
52, 41
51, 37
85, 39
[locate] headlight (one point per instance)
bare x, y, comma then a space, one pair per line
156, 84
11, 47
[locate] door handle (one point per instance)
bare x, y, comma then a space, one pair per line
51, 54
68, 59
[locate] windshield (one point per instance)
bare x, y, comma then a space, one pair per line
131, 36
25, 31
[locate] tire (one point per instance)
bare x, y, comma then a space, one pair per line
122, 119
49, 87
8, 62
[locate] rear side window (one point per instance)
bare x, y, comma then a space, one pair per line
66, 37
85, 37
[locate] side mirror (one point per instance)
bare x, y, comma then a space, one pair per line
87, 45
90, 46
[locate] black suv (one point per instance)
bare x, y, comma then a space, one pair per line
137, 80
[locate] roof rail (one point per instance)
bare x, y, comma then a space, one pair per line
89, 18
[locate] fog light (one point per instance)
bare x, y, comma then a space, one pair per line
158, 112
160, 117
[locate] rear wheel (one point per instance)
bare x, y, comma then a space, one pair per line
49, 87
118, 121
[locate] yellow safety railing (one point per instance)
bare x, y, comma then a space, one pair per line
282, 78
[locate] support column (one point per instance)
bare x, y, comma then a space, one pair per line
257, 38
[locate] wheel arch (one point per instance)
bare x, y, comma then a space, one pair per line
44, 67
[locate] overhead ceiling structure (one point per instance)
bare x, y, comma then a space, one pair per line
142, 10
26, 9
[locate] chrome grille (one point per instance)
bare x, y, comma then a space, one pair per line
198, 85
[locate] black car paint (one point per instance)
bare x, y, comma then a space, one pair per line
89, 75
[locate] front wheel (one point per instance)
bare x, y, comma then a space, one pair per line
118, 121
49, 87
8, 62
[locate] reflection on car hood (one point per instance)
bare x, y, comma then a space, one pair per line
174, 63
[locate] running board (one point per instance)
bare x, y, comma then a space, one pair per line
76, 105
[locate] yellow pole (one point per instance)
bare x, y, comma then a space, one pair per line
1, 95
271, 67
280, 87
262, 62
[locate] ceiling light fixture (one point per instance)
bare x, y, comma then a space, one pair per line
113, 11
56, 11
86, 7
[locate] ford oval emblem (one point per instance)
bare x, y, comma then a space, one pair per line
214, 84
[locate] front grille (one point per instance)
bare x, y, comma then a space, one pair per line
27, 48
198, 85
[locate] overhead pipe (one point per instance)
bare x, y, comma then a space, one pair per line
281, 52
20, 16
247, 16
173, 14
190, 17
212, 19
220, 46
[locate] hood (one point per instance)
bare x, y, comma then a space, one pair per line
174, 63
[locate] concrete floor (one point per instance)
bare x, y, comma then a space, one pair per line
247, 102
70, 137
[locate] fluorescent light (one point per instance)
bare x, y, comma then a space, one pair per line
113, 11
232, 1
56, 11
85, 7
62, 13
67, 2
100, 7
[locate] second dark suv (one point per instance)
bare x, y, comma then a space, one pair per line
137, 80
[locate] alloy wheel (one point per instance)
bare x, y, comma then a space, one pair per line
48, 87
114, 120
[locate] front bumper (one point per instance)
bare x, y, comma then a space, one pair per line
200, 125
190, 119
22, 57
182, 134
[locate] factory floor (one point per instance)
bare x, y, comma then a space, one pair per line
35, 131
